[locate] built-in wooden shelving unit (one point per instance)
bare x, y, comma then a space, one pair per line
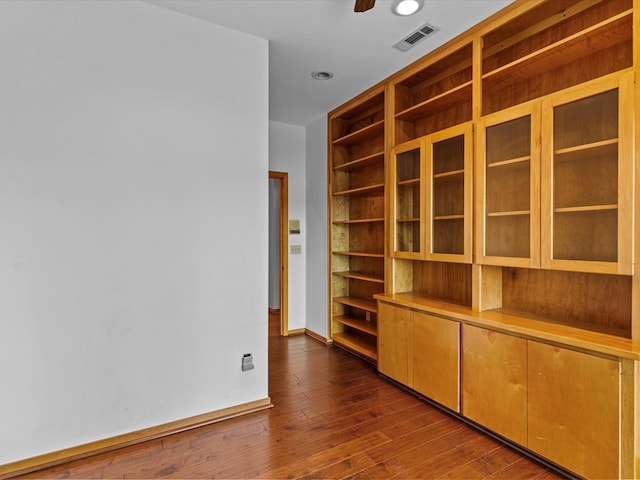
484, 208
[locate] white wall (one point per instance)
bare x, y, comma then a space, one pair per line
287, 154
133, 260
316, 164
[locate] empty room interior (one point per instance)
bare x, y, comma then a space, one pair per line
320, 239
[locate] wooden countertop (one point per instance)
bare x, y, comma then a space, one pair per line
521, 324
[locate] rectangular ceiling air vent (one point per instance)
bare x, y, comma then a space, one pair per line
415, 37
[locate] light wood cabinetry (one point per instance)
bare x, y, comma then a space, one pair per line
431, 197
551, 46
574, 410
567, 209
450, 194
433, 97
560, 403
587, 177
564, 394
395, 343
436, 359
422, 352
508, 186
555, 181
440, 267
512, 215
408, 199
494, 381
431, 108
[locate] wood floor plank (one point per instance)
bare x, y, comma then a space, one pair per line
333, 417
482, 465
306, 465
410, 451
521, 469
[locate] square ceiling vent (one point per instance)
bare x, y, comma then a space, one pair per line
416, 37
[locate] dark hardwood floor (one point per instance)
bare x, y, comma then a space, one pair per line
333, 418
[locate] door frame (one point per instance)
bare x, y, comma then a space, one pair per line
283, 207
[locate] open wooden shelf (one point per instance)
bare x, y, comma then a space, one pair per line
599, 37
359, 254
363, 162
367, 133
443, 101
361, 190
361, 276
365, 326
364, 345
366, 305
434, 97
358, 220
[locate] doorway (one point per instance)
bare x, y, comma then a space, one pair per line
278, 248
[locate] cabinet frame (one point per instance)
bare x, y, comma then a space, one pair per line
575, 378
427, 191
506, 355
419, 145
575, 408
395, 343
466, 131
436, 358
625, 195
532, 110
421, 351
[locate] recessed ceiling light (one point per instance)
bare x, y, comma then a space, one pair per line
322, 75
406, 7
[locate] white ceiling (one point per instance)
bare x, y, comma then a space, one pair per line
308, 35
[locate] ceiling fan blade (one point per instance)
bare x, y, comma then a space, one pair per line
363, 5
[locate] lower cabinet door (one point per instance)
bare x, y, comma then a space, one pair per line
494, 381
436, 359
395, 343
574, 410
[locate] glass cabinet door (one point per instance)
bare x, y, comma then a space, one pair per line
408, 200
450, 194
509, 187
587, 180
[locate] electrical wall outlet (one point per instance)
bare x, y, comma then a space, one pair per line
296, 249
247, 362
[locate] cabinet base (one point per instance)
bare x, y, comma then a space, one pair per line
347, 348
359, 345
514, 446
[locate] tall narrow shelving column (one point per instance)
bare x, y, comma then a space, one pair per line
356, 206
431, 107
